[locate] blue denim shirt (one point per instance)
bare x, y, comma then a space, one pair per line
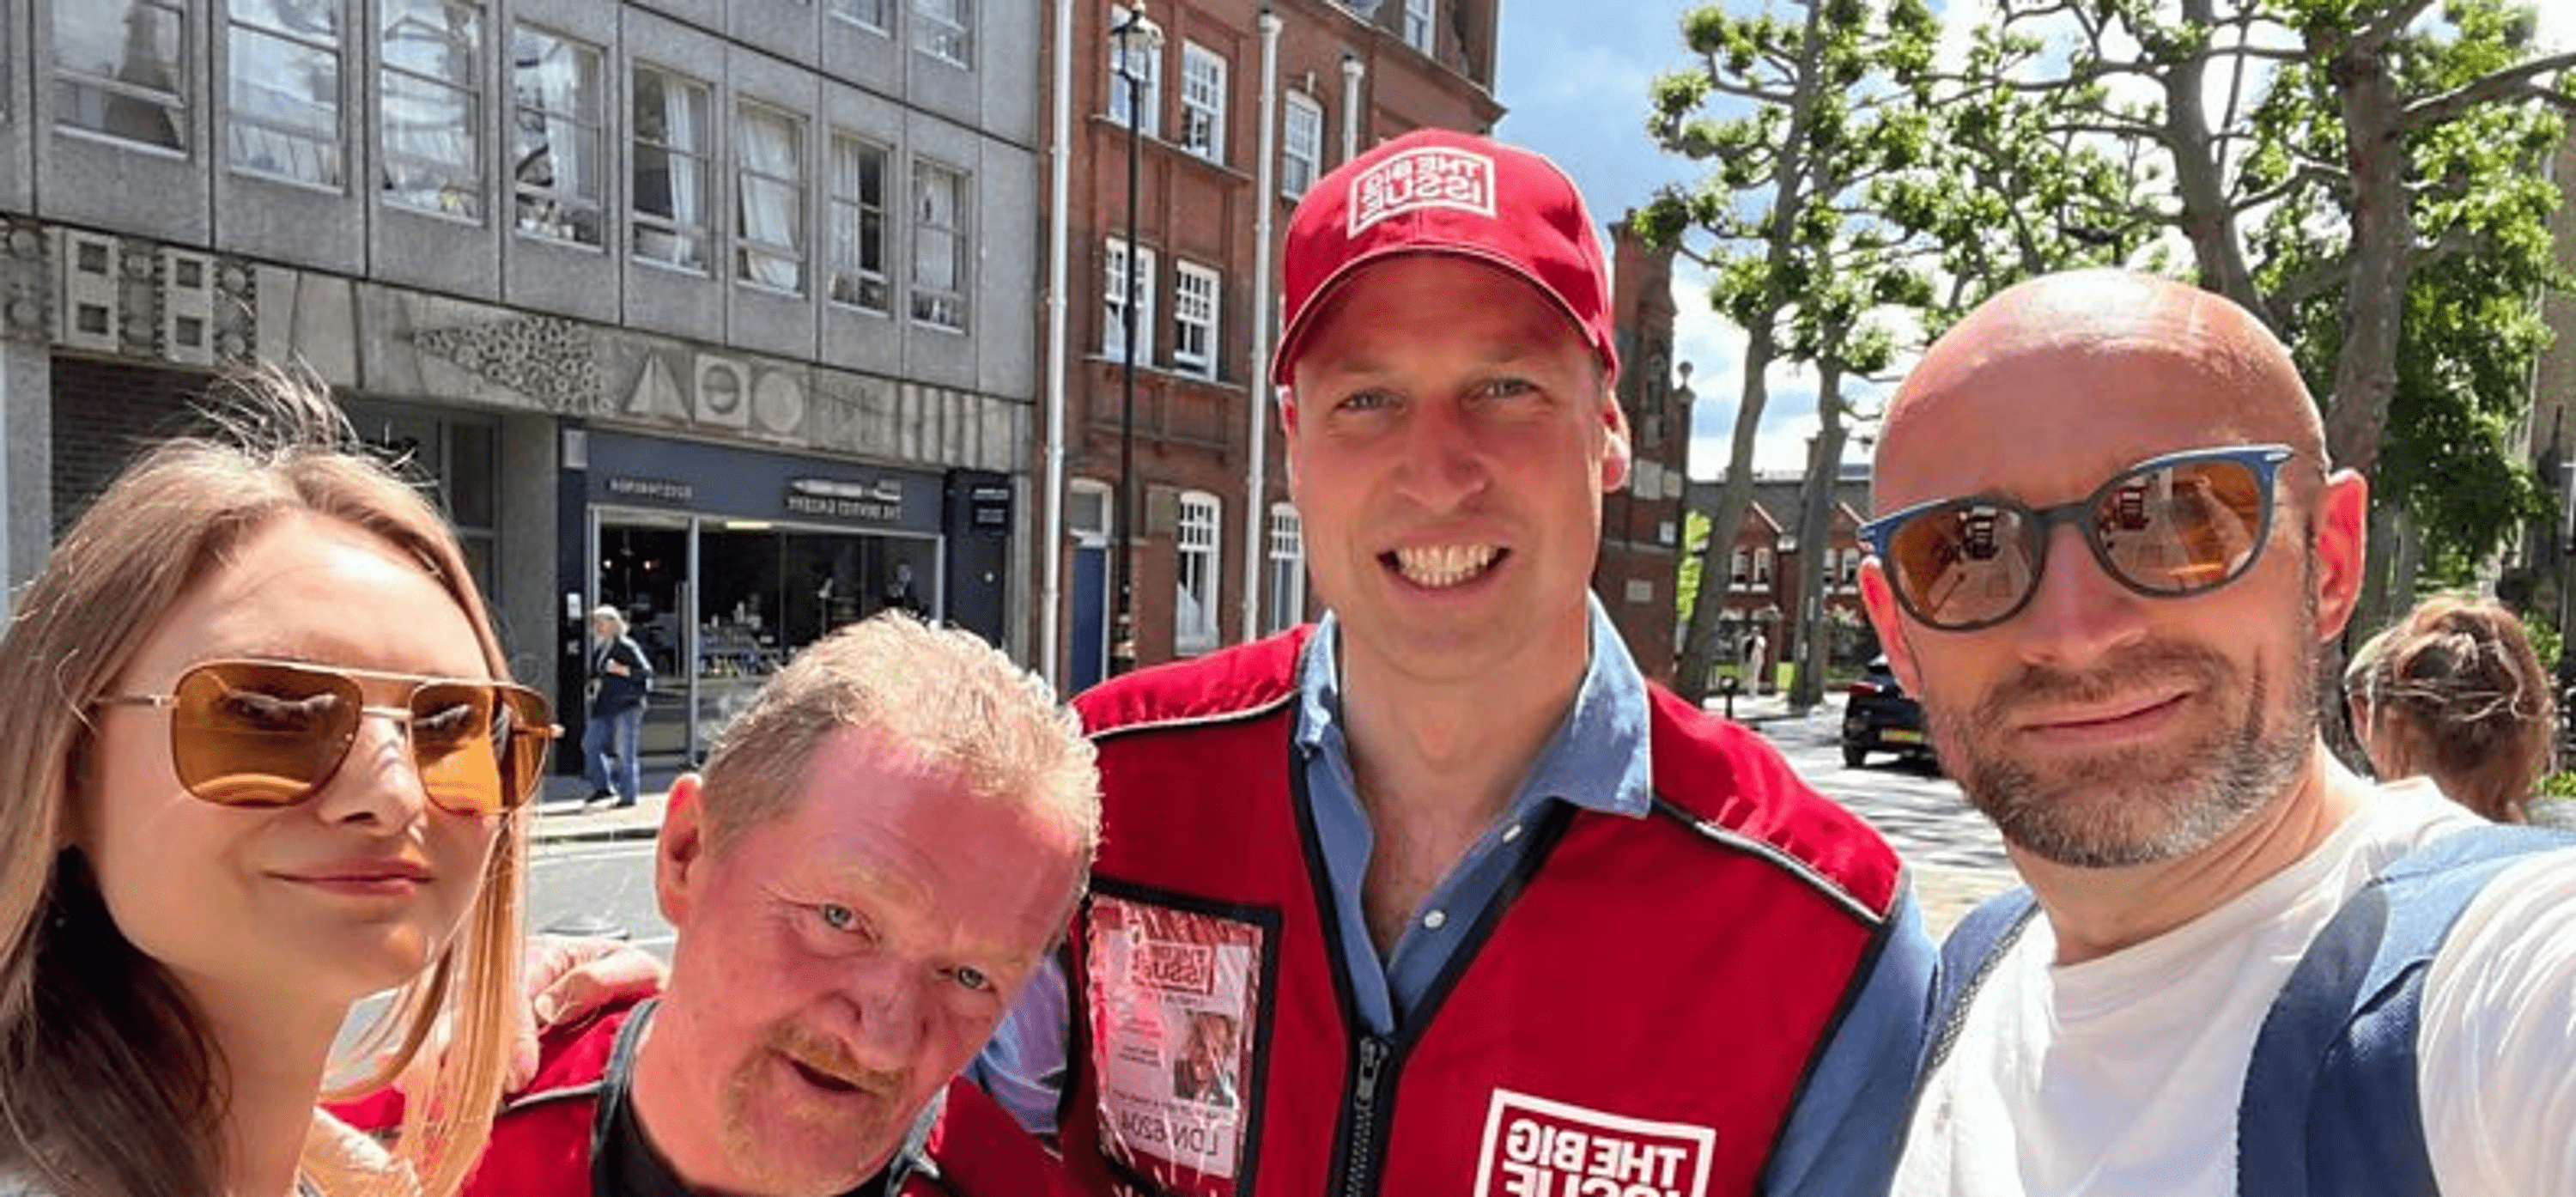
1597, 760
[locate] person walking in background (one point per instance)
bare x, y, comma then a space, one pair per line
2454, 692
620, 679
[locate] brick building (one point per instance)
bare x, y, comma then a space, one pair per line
1216, 554
1761, 577
1641, 524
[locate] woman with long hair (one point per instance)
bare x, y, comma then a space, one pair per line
261, 761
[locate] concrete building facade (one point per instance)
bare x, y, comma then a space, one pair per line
718, 310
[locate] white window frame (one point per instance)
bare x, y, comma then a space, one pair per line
1287, 568
1739, 569
684, 147
1113, 302
460, 194
849, 281
1198, 532
98, 86
570, 131
1417, 24
935, 233
259, 141
875, 16
1198, 300
782, 246
945, 30
1145, 60
1301, 144
1203, 73
1761, 567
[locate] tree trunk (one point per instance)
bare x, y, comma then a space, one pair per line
2382, 253
1815, 542
2200, 181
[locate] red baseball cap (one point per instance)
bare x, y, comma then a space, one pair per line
1440, 191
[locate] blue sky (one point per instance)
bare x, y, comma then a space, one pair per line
1574, 75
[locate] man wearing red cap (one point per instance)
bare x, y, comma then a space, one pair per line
1491, 914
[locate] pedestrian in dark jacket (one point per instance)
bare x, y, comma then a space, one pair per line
620, 677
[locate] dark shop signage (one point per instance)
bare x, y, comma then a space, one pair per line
747, 484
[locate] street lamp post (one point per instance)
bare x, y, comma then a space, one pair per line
1134, 32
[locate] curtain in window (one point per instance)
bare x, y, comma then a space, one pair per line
769, 213
556, 155
934, 260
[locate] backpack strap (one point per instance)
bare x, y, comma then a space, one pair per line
1971, 952
2330, 1102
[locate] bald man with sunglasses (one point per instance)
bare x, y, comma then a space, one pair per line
2112, 549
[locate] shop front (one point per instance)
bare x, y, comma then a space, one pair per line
726, 561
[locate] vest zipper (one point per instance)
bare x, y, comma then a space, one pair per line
1360, 1167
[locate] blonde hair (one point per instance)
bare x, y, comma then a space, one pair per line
100, 1050
947, 695
2455, 692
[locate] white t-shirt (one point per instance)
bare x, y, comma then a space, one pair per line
2119, 1076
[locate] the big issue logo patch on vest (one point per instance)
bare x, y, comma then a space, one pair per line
1535, 1147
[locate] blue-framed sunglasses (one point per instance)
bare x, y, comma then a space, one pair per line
2180, 524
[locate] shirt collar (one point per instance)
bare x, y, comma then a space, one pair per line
1599, 759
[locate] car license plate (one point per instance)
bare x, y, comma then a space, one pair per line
1900, 735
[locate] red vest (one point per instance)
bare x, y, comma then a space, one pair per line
1635, 1017
541, 1141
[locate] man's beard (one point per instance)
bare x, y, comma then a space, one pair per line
776, 1149
2135, 806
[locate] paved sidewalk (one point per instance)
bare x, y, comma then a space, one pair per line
560, 818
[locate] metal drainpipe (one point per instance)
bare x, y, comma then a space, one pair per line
1256, 513
1059, 189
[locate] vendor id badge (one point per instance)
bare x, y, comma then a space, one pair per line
1175, 999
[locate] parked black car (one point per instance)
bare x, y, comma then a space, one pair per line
1879, 716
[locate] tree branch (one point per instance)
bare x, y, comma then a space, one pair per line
2521, 77
1723, 86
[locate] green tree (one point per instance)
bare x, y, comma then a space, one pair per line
1795, 120
2362, 174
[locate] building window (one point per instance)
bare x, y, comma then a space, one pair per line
1203, 103
1417, 24
1194, 602
282, 115
1287, 569
870, 15
121, 70
670, 184
945, 30
1301, 144
558, 145
1194, 319
1737, 574
858, 224
941, 244
1113, 305
1145, 64
1761, 567
432, 106
769, 232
